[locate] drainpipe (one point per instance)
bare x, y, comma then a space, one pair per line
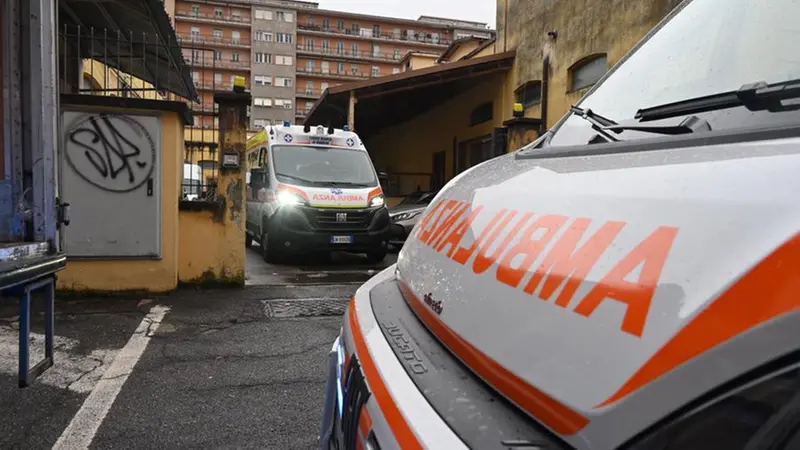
545, 92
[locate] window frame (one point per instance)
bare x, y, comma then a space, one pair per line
583, 63
520, 92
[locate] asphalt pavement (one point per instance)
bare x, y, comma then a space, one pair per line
195, 369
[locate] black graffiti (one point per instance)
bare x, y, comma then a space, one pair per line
113, 156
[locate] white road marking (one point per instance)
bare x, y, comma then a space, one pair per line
84, 425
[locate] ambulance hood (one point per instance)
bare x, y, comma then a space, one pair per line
584, 288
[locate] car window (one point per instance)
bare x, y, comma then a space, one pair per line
744, 420
708, 47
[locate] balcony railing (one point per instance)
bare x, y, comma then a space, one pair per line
335, 75
210, 85
217, 63
343, 53
213, 17
185, 38
417, 38
309, 93
302, 113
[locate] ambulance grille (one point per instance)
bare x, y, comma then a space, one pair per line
342, 219
356, 395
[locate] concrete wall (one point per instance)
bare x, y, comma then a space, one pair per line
210, 250
274, 26
146, 275
585, 27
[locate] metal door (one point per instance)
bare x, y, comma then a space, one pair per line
112, 178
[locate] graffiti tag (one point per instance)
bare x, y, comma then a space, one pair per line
112, 152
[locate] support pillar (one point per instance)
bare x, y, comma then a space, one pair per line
521, 132
351, 111
231, 181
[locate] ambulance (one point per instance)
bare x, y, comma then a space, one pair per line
313, 190
630, 280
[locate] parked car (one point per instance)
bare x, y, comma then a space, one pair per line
405, 215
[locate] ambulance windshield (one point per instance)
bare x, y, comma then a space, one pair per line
323, 166
708, 47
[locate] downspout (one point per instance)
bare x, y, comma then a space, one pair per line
545, 92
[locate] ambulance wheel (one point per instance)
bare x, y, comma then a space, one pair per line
248, 241
376, 256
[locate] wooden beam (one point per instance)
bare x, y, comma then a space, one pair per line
351, 111
433, 83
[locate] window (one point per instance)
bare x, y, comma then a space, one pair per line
263, 14
340, 47
217, 33
376, 31
217, 55
355, 49
284, 16
263, 36
263, 80
311, 20
283, 38
283, 103
309, 105
326, 46
217, 12
236, 15
326, 67
283, 82
195, 76
261, 123
196, 56
482, 113
340, 68
217, 78
323, 86
356, 28
310, 66
763, 415
376, 71
395, 70
195, 31
234, 56
309, 87
355, 69
587, 71
195, 10
282, 60
235, 37
263, 58
326, 24
264, 102
340, 25
397, 54
530, 93
376, 50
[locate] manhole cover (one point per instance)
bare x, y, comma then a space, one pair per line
305, 308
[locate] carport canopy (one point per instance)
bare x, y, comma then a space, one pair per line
120, 28
394, 99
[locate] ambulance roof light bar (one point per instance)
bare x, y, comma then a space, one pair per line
287, 123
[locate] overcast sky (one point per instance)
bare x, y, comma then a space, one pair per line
477, 10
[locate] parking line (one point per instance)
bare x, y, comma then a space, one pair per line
84, 425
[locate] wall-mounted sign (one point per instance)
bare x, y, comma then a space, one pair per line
230, 160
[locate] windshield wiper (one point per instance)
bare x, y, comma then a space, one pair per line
599, 123
344, 183
757, 96
293, 177
691, 124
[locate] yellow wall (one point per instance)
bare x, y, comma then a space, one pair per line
463, 50
584, 28
146, 275
398, 150
210, 250
419, 61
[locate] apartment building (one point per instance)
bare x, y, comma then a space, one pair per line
335, 47
290, 51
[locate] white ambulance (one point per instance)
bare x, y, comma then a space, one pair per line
631, 280
314, 190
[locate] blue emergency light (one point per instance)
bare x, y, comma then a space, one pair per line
286, 123
346, 128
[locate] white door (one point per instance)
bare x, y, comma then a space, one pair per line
326, 67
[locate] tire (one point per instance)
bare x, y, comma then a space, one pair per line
248, 240
376, 256
267, 252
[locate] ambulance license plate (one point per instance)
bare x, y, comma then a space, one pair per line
341, 239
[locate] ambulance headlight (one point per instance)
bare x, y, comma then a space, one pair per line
286, 198
377, 201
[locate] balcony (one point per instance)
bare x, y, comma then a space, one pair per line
310, 93
187, 40
205, 17
319, 73
301, 113
211, 63
204, 109
349, 55
422, 39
